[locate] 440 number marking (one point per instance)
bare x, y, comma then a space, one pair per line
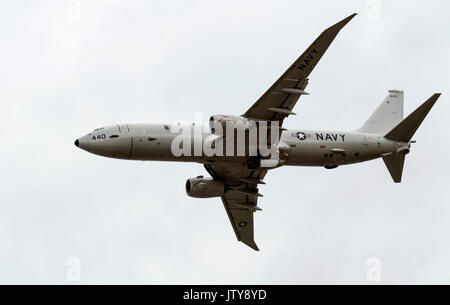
99, 137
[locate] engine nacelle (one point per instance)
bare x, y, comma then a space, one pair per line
204, 187
218, 123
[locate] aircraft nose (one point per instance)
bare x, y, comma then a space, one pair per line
77, 143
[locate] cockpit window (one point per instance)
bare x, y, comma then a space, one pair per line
113, 136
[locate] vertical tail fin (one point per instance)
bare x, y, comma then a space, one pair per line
387, 115
405, 130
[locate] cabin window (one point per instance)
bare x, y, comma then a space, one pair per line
356, 155
166, 127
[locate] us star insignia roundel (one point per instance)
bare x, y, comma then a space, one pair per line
301, 136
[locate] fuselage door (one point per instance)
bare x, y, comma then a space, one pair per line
121, 141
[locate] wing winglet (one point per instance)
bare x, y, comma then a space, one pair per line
242, 223
251, 244
343, 22
314, 53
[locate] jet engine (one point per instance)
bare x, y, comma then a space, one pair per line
204, 187
218, 123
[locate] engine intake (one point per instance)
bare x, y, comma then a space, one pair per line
204, 187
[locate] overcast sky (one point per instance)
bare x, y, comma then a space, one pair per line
68, 67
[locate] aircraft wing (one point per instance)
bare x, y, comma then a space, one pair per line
241, 198
278, 102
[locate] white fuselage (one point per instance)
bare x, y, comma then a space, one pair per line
303, 147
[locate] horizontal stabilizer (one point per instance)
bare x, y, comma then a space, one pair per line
394, 163
405, 130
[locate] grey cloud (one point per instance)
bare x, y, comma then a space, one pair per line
67, 71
